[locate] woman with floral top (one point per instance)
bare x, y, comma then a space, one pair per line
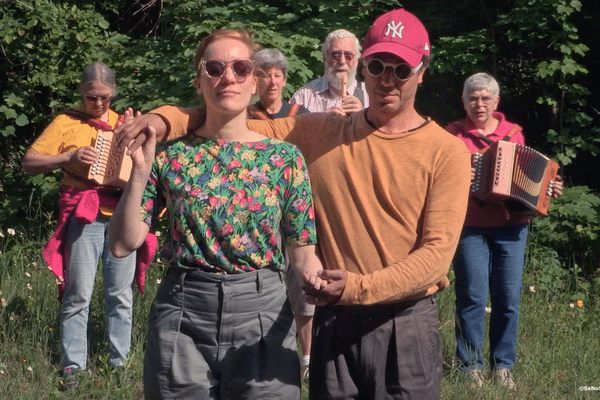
221, 325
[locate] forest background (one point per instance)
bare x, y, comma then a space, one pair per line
544, 53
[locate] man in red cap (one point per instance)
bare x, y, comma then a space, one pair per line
391, 190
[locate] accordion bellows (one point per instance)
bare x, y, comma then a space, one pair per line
514, 174
113, 166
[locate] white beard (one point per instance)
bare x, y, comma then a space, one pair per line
335, 77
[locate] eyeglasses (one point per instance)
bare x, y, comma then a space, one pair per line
485, 100
336, 55
241, 68
93, 99
402, 71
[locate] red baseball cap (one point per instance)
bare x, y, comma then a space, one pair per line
400, 33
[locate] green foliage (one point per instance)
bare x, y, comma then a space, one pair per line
564, 246
547, 29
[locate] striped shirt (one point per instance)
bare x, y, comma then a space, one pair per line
317, 96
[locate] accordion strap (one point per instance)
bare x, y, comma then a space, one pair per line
95, 123
507, 137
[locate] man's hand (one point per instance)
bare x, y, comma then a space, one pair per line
326, 287
133, 132
351, 104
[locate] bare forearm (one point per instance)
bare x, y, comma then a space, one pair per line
126, 230
304, 259
36, 163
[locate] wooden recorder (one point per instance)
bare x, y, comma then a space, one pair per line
516, 175
113, 167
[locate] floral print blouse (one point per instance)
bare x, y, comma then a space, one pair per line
230, 205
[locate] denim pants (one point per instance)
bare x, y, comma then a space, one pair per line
85, 246
488, 258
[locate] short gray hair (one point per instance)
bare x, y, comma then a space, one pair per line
270, 58
340, 34
97, 72
481, 81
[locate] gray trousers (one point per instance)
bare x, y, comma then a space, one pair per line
221, 337
376, 352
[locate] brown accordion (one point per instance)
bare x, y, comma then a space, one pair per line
113, 166
516, 175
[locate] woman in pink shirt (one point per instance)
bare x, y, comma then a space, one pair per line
491, 250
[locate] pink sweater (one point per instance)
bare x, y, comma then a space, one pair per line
488, 215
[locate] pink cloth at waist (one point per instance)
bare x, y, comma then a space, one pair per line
84, 205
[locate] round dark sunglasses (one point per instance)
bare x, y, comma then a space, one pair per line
93, 99
402, 71
241, 68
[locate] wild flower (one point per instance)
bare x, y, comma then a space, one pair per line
29, 286
488, 310
532, 289
571, 305
1, 234
579, 303
29, 369
11, 231
27, 274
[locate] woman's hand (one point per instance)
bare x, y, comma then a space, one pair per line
557, 186
83, 156
143, 157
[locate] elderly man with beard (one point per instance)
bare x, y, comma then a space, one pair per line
341, 52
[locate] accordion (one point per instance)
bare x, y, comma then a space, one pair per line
113, 166
516, 175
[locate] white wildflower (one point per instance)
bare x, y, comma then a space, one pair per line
488, 310
11, 231
572, 305
532, 289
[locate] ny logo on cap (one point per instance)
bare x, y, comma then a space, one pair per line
395, 29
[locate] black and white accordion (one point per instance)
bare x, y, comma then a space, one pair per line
516, 175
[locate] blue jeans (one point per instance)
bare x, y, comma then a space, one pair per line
85, 246
488, 257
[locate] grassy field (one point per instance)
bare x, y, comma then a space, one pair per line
558, 351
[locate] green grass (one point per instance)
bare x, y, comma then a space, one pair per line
558, 351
